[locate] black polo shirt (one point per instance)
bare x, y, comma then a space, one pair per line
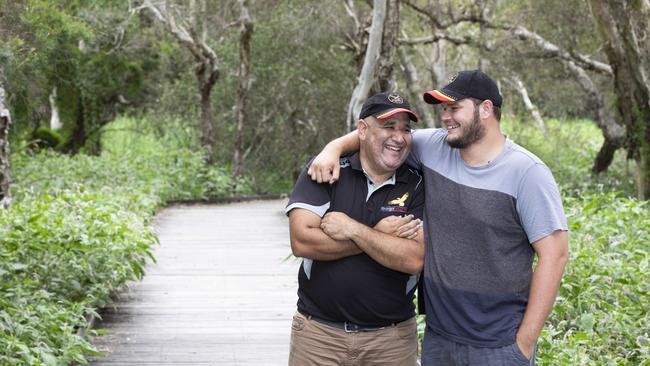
357, 288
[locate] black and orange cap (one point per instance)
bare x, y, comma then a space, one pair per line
385, 105
466, 84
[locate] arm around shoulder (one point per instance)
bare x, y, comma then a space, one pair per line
325, 167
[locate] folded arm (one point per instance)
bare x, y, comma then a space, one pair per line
309, 241
400, 254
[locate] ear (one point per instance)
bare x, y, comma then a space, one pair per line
486, 108
362, 127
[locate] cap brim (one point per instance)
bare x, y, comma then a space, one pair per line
412, 116
437, 96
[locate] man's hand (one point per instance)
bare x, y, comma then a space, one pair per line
325, 167
552, 253
338, 225
402, 227
525, 346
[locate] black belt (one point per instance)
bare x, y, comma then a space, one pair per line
347, 326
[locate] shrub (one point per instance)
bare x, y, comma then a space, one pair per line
601, 316
47, 138
63, 253
79, 230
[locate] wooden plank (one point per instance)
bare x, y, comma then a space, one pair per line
220, 292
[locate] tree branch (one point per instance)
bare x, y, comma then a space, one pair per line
551, 49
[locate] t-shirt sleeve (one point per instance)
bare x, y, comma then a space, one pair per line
422, 144
309, 195
539, 204
414, 159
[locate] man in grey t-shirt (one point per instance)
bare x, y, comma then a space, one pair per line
490, 207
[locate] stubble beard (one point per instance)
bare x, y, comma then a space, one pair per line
475, 131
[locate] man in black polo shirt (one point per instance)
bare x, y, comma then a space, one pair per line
357, 279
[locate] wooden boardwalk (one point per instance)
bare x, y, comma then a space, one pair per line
219, 294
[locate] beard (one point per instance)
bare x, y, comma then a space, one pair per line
474, 132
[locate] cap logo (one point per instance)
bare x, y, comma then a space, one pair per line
452, 78
395, 98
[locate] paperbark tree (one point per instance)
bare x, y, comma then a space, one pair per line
246, 33
190, 31
414, 89
610, 122
385, 76
578, 65
613, 132
367, 75
357, 40
55, 120
624, 27
5, 168
519, 86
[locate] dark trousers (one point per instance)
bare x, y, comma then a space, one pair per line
440, 351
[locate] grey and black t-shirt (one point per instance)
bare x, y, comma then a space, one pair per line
480, 223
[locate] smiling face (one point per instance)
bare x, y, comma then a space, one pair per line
385, 143
463, 123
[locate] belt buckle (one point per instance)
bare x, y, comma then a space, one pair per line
350, 327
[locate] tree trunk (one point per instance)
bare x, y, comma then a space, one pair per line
605, 156
193, 38
414, 89
5, 168
613, 133
482, 61
438, 72
78, 137
623, 26
367, 76
246, 24
207, 120
385, 76
55, 120
534, 112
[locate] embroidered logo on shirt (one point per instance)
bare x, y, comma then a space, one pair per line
400, 201
396, 205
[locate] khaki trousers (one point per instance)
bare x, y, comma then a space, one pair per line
313, 343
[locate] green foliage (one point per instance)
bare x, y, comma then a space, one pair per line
601, 317
63, 252
79, 230
45, 137
75, 49
569, 152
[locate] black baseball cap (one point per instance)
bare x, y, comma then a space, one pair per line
384, 105
466, 84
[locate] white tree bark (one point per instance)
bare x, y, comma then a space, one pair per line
55, 120
624, 27
367, 75
414, 88
553, 50
385, 76
516, 82
5, 168
613, 132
